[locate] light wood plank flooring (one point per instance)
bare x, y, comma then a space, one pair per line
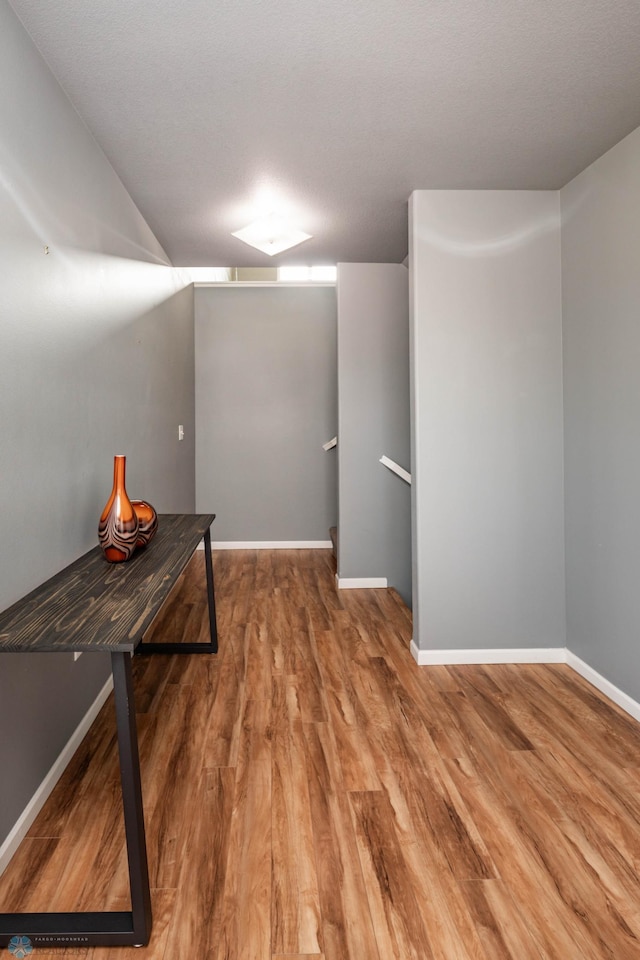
311, 793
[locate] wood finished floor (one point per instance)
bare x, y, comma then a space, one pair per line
311, 794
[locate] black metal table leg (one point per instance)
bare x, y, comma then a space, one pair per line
117, 928
132, 796
213, 628
212, 647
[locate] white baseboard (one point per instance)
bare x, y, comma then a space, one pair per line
516, 655
38, 800
628, 704
269, 545
360, 583
532, 655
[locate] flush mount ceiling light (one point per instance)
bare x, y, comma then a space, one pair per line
271, 234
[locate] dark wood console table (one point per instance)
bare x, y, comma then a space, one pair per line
94, 606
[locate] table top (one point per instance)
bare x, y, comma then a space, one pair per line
93, 605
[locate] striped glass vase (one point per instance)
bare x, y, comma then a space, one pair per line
118, 527
148, 520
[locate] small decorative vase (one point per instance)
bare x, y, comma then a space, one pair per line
148, 521
118, 527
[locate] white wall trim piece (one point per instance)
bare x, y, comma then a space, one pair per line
515, 655
361, 583
531, 655
264, 283
269, 545
395, 468
628, 704
330, 444
42, 794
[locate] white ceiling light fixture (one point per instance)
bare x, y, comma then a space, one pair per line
271, 234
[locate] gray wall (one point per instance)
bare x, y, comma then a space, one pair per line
601, 313
96, 358
266, 400
487, 427
373, 390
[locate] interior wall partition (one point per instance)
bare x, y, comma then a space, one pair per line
374, 529
266, 402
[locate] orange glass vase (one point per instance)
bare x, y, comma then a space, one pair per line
119, 524
148, 520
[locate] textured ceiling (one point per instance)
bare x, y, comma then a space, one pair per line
338, 109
